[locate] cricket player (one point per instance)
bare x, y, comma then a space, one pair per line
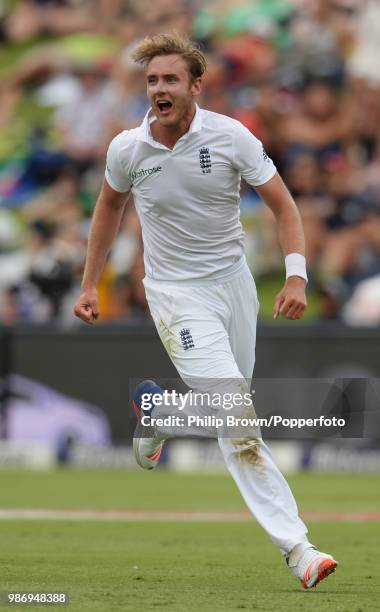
183, 166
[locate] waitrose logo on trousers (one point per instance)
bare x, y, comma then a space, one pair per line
138, 173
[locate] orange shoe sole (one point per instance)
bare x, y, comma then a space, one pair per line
136, 409
327, 567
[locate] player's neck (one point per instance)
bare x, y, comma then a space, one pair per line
168, 136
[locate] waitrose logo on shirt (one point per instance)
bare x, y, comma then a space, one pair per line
138, 173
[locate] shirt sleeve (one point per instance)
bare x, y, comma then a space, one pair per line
115, 175
250, 158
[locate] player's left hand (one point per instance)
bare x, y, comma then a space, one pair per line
291, 301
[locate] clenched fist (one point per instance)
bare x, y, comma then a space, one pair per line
291, 301
86, 307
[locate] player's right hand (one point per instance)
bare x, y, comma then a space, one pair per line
86, 307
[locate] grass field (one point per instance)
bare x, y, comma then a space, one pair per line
181, 565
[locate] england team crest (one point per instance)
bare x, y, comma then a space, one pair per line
205, 160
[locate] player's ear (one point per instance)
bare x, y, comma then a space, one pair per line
196, 86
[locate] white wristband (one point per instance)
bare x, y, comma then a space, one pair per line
295, 265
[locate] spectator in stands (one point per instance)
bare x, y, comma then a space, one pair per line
84, 122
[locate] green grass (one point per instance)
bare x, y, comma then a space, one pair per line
133, 490
184, 567
175, 566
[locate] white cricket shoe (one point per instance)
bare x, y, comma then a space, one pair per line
309, 565
147, 445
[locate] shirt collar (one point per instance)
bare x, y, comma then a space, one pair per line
144, 133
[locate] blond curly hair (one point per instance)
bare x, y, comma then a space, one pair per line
171, 44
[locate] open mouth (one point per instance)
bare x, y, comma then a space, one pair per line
164, 106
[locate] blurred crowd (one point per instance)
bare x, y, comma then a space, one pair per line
302, 75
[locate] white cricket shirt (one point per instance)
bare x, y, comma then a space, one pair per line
188, 198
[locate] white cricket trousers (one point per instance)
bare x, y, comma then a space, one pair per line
209, 332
